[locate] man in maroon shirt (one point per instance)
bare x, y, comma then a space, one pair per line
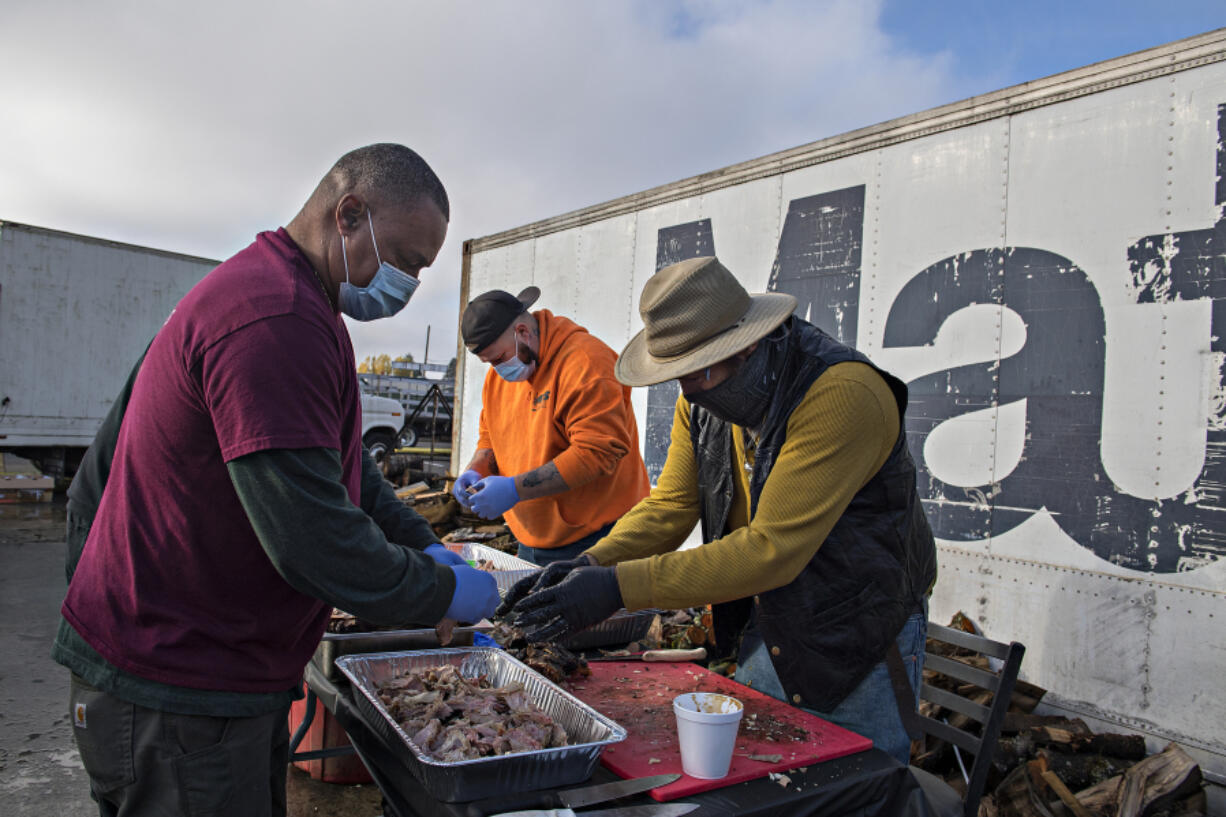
240, 506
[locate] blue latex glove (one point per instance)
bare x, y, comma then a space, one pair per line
586, 596
483, 640
443, 556
462, 484
476, 595
495, 496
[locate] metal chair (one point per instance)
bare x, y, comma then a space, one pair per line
1004, 661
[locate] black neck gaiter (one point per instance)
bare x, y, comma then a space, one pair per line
744, 397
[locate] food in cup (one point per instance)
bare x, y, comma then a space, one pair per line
707, 725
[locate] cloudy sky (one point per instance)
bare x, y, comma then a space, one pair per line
190, 127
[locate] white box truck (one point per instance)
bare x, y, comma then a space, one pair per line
1046, 267
75, 315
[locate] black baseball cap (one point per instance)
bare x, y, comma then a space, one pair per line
489, 314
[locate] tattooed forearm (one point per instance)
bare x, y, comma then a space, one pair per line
541, 475
483, 462
543, 481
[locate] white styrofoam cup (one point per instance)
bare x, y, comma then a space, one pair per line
707, 723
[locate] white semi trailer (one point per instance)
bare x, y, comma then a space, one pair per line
75, 315
1046, 267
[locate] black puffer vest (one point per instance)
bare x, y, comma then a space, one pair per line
827, 628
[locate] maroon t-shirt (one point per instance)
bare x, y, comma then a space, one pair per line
173, 585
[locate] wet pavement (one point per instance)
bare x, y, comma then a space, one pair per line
40, 770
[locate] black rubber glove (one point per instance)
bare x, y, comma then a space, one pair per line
548, 577
586, 596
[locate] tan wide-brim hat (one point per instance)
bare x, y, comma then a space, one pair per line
695, 314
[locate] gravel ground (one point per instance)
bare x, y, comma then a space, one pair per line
40, 770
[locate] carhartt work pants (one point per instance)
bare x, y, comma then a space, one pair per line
143, 762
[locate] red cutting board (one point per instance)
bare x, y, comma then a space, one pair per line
639, 696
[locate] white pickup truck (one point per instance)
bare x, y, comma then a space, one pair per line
382, 420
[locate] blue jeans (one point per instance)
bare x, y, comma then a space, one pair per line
544, 556
871, 709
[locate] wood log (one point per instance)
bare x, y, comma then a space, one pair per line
412, 490
1147, 789
696, 634
1053, 736
1015, 749
430, 496
1037, 768
1016, 796
1073, 740
1154, 782
436, 510
1081, 771
1195, 806
1026, 696
1101, 797
1125, 747
1027, 744
961, 621
959, 721
1066, 796
1020, 721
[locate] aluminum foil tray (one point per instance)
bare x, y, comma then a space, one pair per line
334, 645
466, 780
509, 569
620, 628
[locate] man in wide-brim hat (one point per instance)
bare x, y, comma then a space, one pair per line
789, 448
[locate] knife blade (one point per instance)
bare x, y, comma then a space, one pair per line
657, 810
569, 798
696, 654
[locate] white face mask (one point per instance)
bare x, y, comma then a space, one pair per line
513, 369
386, 294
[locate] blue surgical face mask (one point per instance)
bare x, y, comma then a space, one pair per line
513, 369
386, 294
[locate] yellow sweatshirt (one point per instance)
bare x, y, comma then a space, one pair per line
838, 437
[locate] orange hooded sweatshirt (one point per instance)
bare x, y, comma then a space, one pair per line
574, 412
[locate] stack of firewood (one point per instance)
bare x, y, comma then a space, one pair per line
1074, 772
439, 508
1050, 766
497, 536
452, 522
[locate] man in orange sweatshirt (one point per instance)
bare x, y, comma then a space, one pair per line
558, 451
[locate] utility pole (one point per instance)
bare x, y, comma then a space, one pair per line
426, 357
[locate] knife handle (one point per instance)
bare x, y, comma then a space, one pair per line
696, 654
514, 802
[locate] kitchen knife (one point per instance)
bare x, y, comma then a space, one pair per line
569, 798
659, 810
696, 654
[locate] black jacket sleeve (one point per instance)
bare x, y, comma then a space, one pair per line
327, 547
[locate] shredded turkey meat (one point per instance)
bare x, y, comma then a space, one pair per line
450, 717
